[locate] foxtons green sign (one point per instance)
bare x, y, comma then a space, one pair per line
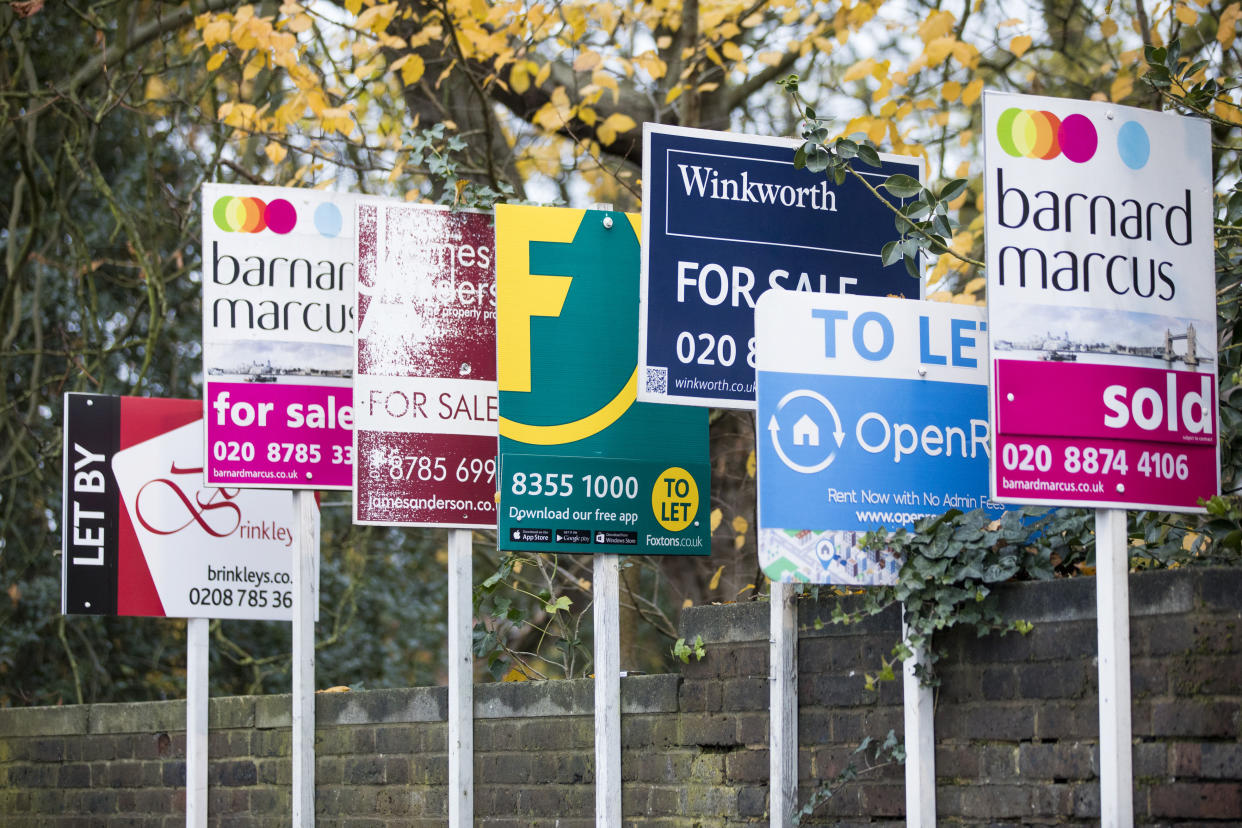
584, 467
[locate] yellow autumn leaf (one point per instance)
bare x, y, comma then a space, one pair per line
353, 6
972, 92
686, 604
299, 23
769, 58
732, 51
974, 285
412, 70
1013, 21
740, 525
614, 125
156, 88
275, 152
1019, 45
715, 581
936, 25
519, 78
950, 91
1228, 27
587, 115
739, 541
216, 32
717, 516
586, 61
216, 61
859, 70
1121, 87
674, 93
1187, 15
939, 49
1108, 27
750, 464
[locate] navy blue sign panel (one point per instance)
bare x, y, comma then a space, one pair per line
727, 217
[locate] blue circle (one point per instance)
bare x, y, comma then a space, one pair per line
1133, 145
328, 220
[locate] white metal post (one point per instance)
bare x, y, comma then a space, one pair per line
607, 615
920, 741
305, 601
196, 696
782, 704
460, 679
1112, 600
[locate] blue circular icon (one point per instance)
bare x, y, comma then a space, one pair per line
1133, 145
328, 220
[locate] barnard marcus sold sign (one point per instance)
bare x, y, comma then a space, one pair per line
726, 218
141, 533
278, 333
1101, 304
425, 400
584, 467
872, 413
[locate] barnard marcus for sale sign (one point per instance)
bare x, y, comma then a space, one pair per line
425, 398
1101, 304
143, 536
278, 336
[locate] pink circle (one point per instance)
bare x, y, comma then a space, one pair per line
281, 216
1077, 138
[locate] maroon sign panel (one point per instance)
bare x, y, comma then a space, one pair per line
425, 399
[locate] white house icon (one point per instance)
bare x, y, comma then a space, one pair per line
805, 432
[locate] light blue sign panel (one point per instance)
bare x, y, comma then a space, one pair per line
873, 413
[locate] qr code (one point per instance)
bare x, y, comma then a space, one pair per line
657, 380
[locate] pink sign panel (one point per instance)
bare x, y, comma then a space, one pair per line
280, 435
425, 398
1142, 436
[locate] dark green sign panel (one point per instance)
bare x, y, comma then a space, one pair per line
584, 467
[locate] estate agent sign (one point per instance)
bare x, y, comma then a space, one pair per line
278, 330
142, 535
872, 414
425, 400
727, 217
585, 467
1101, 304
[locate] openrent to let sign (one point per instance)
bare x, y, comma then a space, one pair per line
1102, 304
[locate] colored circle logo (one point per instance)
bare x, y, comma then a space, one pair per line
1133, 145
1032, 133
675, 499
328, 220
241, 214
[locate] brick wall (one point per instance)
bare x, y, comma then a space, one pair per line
1015, 727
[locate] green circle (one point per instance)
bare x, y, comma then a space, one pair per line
1004, 131
220, 213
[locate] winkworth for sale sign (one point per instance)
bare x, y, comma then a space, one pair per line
872, 414
726, 218
1101, 304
